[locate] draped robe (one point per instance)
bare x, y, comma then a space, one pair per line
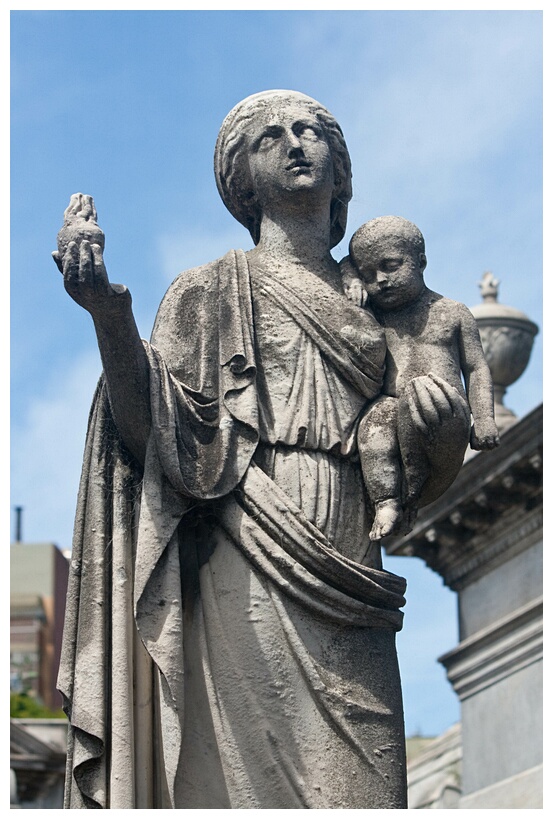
230, 631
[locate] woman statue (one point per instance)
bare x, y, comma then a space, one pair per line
230, 631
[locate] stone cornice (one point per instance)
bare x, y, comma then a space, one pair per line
492, 511
496, 652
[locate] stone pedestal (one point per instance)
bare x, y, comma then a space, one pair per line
497, 674
484, 537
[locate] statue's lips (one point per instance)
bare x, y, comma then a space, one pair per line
299, 167
386, 293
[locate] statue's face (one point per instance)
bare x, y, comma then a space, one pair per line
392, 273
288, 154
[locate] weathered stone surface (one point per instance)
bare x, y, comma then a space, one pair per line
412, 439
484, 536
230, 630
79, 223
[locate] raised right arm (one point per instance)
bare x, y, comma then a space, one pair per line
124, 359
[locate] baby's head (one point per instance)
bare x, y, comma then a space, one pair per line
389, 256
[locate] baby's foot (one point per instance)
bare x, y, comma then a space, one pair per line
387, 516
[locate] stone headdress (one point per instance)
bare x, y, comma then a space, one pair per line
231, 167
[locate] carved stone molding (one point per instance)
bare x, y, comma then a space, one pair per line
492, 511
496, 652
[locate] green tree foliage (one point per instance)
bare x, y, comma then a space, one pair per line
22, 706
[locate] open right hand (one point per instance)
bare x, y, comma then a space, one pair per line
85, 278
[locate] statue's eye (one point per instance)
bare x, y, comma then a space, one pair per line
391, 265
368, 274
310, 131
268, 137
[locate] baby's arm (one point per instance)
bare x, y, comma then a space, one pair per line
352, 284
478, 381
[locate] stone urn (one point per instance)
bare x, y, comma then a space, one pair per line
507, 336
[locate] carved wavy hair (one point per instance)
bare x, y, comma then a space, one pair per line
232, 170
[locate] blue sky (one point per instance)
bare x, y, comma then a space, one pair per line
442, 114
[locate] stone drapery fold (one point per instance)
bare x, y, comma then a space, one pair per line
122, 671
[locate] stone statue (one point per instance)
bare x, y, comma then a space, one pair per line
230, 630
432, 341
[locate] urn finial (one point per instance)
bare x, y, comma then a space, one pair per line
489, 286
507, 336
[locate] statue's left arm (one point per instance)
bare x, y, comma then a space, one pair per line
478, 381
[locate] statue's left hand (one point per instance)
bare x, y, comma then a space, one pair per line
433, 402
484, 435
440, 418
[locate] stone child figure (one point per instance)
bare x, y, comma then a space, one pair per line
429, 338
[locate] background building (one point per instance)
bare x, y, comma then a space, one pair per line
38, 749
38, 584
484, 536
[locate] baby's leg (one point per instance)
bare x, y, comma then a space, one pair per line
433, 433
380, 462
413, 454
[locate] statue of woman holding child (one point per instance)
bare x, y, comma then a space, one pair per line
230, 631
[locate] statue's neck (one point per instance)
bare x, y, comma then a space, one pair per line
297, 238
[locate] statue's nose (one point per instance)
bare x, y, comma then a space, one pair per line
293, 143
